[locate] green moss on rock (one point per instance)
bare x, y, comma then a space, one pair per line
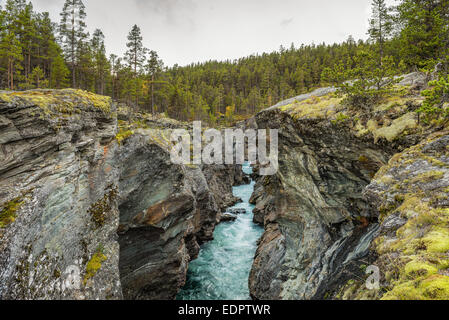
66, 101
412, 192
122, 135
98, 211
428, 176
94, 264
314, 107
8, 213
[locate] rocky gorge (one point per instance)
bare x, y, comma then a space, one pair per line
91, 206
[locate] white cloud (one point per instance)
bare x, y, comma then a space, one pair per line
185, 31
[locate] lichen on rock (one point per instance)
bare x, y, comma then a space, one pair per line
60, 101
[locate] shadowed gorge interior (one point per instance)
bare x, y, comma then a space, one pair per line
223, 265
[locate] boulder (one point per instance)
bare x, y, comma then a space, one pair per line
225, 217
237, 211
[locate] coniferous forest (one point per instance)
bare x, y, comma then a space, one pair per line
36, 52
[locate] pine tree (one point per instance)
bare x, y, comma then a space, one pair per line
154, 67
27, 35
72, 32
369, 81
135, 56
424, 35
114, 62
59, 73
437, 98
11, 50
13, 9
86, 67
100, 60
380, 25
2, 35
46, 48
36, 77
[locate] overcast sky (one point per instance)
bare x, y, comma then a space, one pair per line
186, 31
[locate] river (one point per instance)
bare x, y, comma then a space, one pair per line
222, 268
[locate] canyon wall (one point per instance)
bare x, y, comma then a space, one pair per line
166, 212
59, 187
90, 209
336, 206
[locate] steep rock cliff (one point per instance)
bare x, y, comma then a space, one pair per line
410, 197
166, 212
93, 210
320, 220
58, 196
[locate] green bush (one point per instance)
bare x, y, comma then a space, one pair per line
369, 80
437, 97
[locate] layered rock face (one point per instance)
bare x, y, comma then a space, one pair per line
92, 212
410, 197
58, 196
321, 210
312, 208
166, 212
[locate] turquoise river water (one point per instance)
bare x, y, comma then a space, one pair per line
222, 268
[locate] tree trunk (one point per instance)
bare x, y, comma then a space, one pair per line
12, 74
9, 73
73, 48
152, 94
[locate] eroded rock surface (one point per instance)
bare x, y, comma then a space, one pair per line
312, 208
93, 211
58, 196
319, 211
166, 212
410, 196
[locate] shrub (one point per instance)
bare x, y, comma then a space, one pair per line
370, 81
437, 97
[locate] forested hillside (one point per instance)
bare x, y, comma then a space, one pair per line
36, 52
